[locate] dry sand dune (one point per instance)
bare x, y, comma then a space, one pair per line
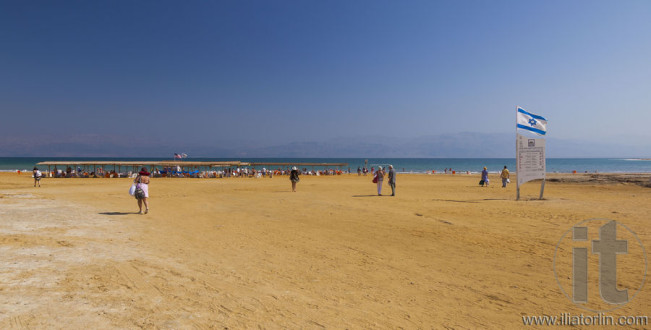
243, 253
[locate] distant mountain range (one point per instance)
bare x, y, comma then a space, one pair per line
459, 145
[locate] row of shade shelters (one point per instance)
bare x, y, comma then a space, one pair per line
184, 166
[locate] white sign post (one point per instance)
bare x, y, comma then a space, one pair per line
530, 161
530, 152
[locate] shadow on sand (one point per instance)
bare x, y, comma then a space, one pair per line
370, 195
456, 201
117, 213
471, 200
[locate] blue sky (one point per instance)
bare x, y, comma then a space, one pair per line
277, 71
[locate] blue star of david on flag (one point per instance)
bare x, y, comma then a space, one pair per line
531, 122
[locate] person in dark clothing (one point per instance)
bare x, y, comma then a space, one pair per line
392, 180
293, 176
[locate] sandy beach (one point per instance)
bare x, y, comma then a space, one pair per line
243, 252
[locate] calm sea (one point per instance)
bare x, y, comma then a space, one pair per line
417, 165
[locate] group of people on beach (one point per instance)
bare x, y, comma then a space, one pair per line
140, 189
378, 178
504, 175
82, 173
238, 172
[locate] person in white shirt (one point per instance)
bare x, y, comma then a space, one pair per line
37, 177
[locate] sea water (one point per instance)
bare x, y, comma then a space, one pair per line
413, 165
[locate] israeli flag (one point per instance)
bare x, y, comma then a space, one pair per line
531, 122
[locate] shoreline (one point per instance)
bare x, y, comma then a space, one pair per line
29, 173
410, 165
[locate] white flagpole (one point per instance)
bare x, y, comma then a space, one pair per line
517, 167
542, 184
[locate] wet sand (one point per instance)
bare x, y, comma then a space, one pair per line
243, 253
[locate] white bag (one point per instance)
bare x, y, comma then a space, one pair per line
132, 190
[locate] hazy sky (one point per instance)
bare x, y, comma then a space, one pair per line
312, 70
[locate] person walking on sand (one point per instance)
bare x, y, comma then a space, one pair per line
142, 189
37, 176
379, 178
392, 180
484, 177
505, 176
293, 176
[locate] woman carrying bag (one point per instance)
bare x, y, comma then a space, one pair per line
142, 189
379, 178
